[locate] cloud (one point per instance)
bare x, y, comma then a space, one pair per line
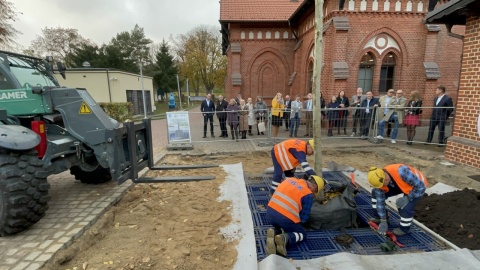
102, 20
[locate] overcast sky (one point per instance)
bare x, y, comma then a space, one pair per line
100, 20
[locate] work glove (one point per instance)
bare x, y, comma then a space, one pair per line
383, 227
402, 202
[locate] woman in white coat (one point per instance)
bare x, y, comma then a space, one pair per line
251, 116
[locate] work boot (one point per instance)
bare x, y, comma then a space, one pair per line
271, 247
281, 240
236, 135
399, 232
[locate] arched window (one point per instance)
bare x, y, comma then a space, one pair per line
365, 72
310, 78
387, 72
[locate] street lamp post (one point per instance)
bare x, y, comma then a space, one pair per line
179, 95
188, 95
143, 91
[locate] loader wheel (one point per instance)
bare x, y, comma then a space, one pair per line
91, 173
23, 190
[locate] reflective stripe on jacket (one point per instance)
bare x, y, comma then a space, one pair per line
405, 187
286, 160
287, 199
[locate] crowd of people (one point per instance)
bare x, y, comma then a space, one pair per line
239, 116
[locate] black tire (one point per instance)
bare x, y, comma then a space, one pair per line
23, 190
91, 174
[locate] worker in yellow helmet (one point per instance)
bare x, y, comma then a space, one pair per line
287, 155
392, 180
288, 208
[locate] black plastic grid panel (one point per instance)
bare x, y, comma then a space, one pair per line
321, 243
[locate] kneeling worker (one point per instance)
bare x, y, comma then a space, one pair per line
392, 180
288, 208
287, 155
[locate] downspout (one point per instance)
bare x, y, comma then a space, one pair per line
450, 33
291, 28
109, 91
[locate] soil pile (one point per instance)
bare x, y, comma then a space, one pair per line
454, 215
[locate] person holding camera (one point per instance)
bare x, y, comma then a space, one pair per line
357, 114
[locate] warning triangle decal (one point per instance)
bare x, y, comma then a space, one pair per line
84, 109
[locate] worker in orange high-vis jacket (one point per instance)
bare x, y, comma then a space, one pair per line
392, 180
287, 155
288, 208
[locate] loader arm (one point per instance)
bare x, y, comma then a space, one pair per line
120, 148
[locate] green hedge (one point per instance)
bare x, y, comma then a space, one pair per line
119, 111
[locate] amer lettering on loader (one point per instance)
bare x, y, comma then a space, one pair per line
13, 95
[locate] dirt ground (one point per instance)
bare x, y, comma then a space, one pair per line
454, 215
177, 225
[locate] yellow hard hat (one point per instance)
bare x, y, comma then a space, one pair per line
311, 142
319, 181
376, 177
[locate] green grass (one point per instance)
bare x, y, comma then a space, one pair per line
162, 108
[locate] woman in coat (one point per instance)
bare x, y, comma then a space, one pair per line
260, 112
278, 107
232, 118
342, 114
332, 115
243, 119
413, 111
251, 116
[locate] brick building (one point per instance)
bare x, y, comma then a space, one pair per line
373, 44
464, 145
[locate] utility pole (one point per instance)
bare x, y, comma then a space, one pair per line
317, 70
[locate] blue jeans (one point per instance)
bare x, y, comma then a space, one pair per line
381, 126
294, 123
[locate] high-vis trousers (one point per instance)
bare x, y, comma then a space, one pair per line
295, 231
406, 214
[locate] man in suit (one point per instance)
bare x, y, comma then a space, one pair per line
439, 115
308, 105
208, 110
384, 102
395, 114
222, 115
356, 114
286, 114
371, 105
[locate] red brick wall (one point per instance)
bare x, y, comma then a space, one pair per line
464, 145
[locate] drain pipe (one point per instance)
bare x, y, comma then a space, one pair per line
363, 183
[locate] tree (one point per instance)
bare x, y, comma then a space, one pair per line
165, 69
8, 14
58, 42
132, 45
200, 57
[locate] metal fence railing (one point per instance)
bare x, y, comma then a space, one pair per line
261, 127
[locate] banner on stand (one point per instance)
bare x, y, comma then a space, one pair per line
178, 126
